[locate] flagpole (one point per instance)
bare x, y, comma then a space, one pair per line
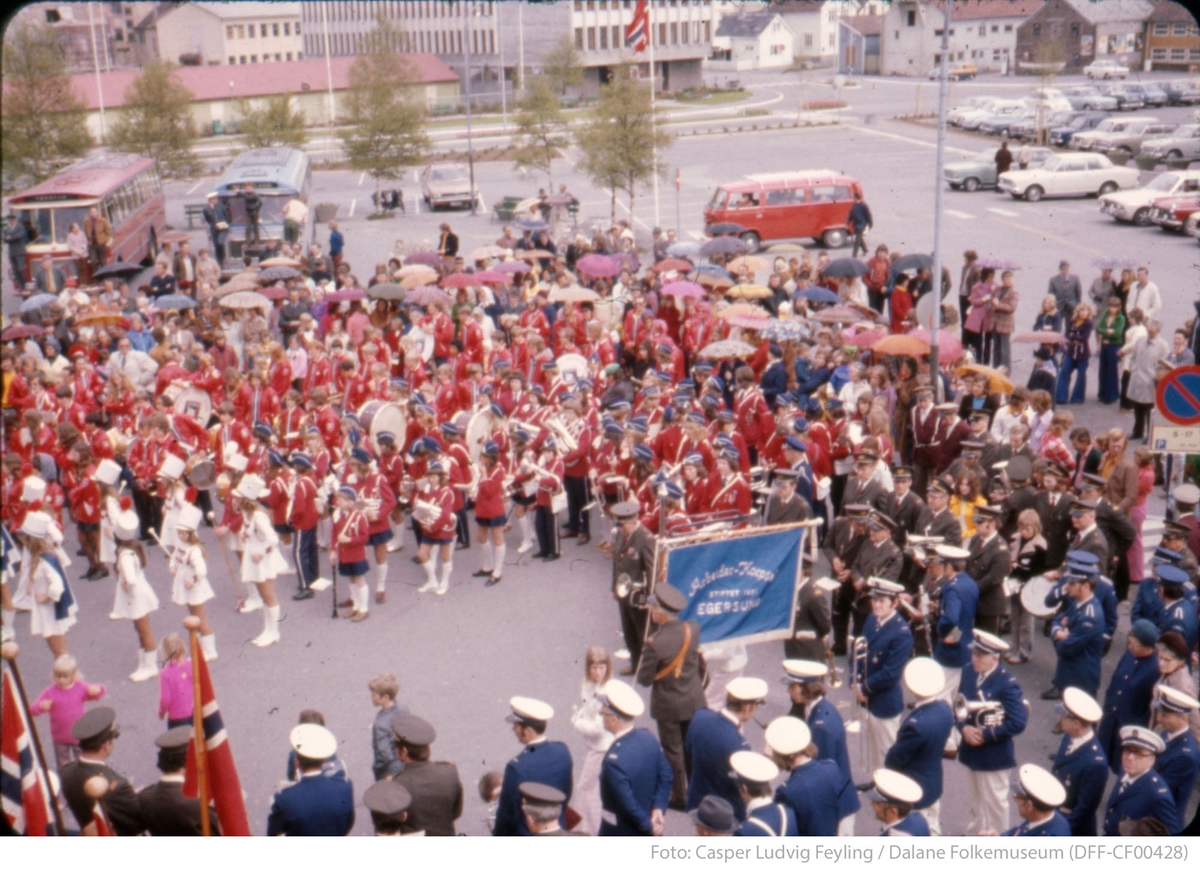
653, 112
192, 624
9, 652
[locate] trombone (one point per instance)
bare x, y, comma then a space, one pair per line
856, 677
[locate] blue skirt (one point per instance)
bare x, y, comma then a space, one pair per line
282, 528
380, 538
428, 539
353, 569
489, 522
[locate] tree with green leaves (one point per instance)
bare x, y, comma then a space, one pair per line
272, 122
563, 65
157, 121
383, 113
44, 122
541, 129
620, 137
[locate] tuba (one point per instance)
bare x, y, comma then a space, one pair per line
983, 714
567, 442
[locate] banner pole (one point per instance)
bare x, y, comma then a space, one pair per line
192, 624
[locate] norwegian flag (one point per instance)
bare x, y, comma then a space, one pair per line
637, 31
23, 784
224, 787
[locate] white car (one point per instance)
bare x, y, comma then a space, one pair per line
1068, 175
974, 104
1135, 206
1105, 69
1085, 140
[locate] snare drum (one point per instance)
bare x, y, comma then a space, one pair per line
200, 472
1033, 596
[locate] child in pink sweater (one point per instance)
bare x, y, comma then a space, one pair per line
64, 702
176, 698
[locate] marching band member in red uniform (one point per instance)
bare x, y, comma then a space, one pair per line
576, 473
280, 482
437, 530
549, 483
539, 374
522, 468
289, 423
391, 466
730, 491
695, 485
229, 430
489, 513
325, 418
320, 371
349, 550
279, 370
228, 529
641, 479
750, 408
727, 427
262, 436
445, 399
97, 437
209, 379
35, 437
84, 496
378, 501
610, 473
534, 321
457, 460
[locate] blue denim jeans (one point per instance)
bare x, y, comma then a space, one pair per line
1064, 381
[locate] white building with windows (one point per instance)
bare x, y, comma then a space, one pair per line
230, 33
815, 23
752, 40
983, 32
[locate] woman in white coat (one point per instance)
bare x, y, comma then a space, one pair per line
191, 587
261, 561
52, 606
134, 599
586, 719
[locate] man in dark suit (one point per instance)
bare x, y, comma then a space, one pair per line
812, 621
911, 516
924, 429
437, 792
542, 760
447, 244
878, 557
1054, 509
317, 805
216, 215
989, 564
542, 810
166, 812
635, 776
1119, 532
1066, 288
1021, 496
941, 524
846, 537
863, 488
97, 734
671, 666
1087, 537
951, 433
784, 505
633, 562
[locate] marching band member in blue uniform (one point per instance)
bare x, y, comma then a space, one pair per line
812, 786
917, 752
987, 747
1037, 794
1179, 614
889, 646
1148, 604
893, 798
317, 805
1078, 637
1140, 793
1179, 762
1130, 690
713, 737
542, 760
806, 687
765, 817
958, 597
635, 778
1080, 764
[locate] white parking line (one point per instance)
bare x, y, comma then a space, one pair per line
194, 186
353, 203
909, 139
482, 209
416, 200
1003, 211
361, 178
962, 215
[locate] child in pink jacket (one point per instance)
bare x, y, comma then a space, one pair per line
64, 702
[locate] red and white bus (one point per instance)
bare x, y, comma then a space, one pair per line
125, 187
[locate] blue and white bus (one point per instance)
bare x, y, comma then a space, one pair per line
279, 174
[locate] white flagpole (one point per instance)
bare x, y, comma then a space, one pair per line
653, 118
96, 61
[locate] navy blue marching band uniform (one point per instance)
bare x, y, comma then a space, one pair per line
541, 760
1144, 796
1083, 771
635, 777
768, 818
829, 736
1055, 826
917, 752
1080, 649
711, 739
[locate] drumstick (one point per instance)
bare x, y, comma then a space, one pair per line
229, 566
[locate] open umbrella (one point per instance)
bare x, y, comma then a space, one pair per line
866, 337
998, 381
901, 345
785, 247
493, 276
686, 248
275, 293
244, 299
277, 273
749, 291
418, 279
428, 295
822, 295
998, 263
460, 279
837, 314
41, 300
416, 269
713, 269
673, 264
174, 301
726, 347
1114, 262
573, 293
723, 245
627, 260
949, 346
386, 290
234, 285
725, 228
488, 252
22, 330
424, 258
118, 268
753, 264
911, 261
172, 237
844, 267
715, 281
1041, 336
103, 318
350, 294
534, 255
782, 330
684, 288
531, 224
512, 266
745, 321
271, 262
743, 309
598, 265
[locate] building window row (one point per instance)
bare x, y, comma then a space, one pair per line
277, 57
246, 31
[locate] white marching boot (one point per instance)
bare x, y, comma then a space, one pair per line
270, 632
147, 666
444, 586
253, 600
431, 584
208, 646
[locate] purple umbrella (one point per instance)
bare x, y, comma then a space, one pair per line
598, 266
513, 266
684, 288
627, 261
350, 294
427, 295
723, 245
996, 263
427, 258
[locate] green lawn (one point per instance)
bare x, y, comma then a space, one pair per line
716, 98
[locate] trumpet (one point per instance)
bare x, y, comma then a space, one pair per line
983, 714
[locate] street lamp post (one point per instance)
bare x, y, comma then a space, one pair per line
467, 70
939, 187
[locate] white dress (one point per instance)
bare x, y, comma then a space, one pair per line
587, 721
43, 622
134, 598
191, 585
258, 537
172, 505
108, 519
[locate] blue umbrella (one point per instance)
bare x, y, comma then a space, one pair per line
532, 224
684, 249
819, 294
39, 301
713, 269
844, 267
174, 301
912, 261
723, 245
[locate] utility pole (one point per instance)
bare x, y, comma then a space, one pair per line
328, 85
520, 49
939, 187
96, 62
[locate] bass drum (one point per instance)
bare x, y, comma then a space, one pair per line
478, 431
1033, 596
423, 340
380, 416
200, 472
573, 367
194, 403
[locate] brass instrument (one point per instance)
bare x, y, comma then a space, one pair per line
564, 440
919, 617
715, 521
857, 667
370, 507
982, 714
637, 593
426, 512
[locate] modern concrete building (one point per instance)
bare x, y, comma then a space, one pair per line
983, 32
91, 33
752, 40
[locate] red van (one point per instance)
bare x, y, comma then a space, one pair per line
780, 206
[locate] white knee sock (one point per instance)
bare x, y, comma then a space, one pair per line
274, 612
362, 597
526, 529
487, 555
380, 577
447, 567
431, 570
501, 549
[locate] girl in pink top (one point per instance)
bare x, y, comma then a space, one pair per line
176, 700
64, 702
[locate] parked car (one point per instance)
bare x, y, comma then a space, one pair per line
1068, 175
1089, 97
1183, 143
1129, 141
447, 184
973, 104
1129, 96
1000, 124
994, 112
1154, 94
1027, 128
1105, 69
1086, 140
1183, 92
775, 206
1191, 227
980, 171
959, 69
1078, 123
1172, 212
1134, 206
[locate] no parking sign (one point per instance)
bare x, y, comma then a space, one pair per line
1178, 396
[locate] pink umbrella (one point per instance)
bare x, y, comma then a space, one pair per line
598, 265
492, 276
351, 294
685, 288
512, 266
949, 347
275, 292
460, 279
866, 338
